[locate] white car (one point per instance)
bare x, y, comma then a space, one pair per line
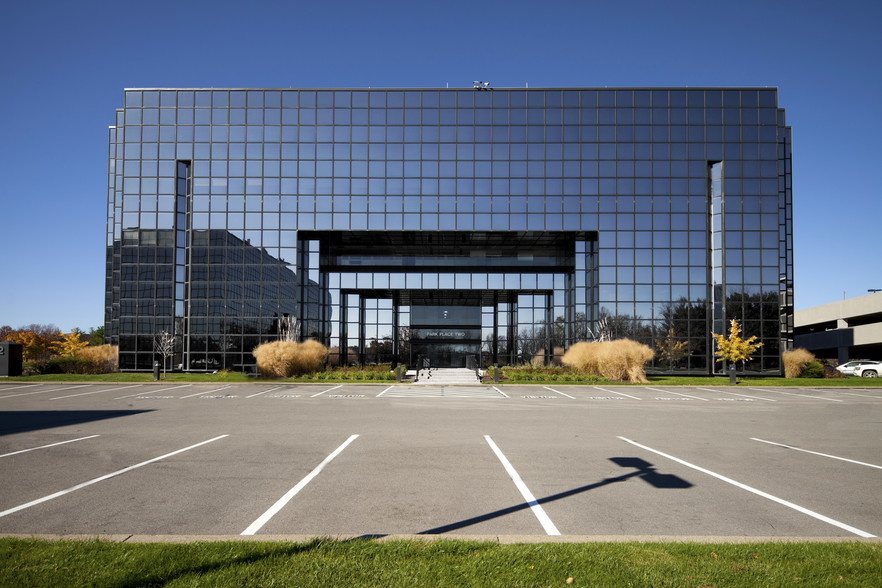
871, 370
849, 367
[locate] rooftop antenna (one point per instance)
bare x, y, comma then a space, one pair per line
479, 85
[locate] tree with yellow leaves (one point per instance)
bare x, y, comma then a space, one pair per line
735, 349
70, 344
672, 350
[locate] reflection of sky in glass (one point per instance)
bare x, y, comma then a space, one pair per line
633, 168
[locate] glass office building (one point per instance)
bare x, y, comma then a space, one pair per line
449, 226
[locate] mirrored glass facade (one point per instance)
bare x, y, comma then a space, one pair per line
448, 226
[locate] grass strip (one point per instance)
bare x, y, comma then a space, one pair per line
363, 562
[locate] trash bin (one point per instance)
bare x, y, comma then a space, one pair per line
10, 358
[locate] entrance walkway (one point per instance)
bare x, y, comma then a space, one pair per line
447, 376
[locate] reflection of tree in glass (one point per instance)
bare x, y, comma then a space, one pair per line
671, 349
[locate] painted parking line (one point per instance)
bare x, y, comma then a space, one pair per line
50, 445
861, 395
613, 392
677, 393
208, 391
96, 392
501, 392
766, 495
537, 509
793, 394
154, 391
5, 388
281, 502
265, 391
384, 391
104, 477
559, 392
43, 391
328, 390
869, 465
736, 394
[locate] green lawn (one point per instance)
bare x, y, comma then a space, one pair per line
436, 563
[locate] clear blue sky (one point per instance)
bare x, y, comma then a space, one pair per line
63, 67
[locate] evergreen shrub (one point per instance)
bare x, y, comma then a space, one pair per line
812, 369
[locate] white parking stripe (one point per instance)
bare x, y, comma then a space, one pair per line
328, 390
537, 509
861, 395
5, 388
153, 392
736, 394
207, 391
869, 465
264, 392
95, 392
796, 507
384, 391
43, 391
501, 392
50, 445
677, 393
612, 392
102, 478
792, 394
281, 502
558, 392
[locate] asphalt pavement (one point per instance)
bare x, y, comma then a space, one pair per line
258, 460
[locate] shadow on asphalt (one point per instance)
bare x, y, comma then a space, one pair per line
20, 421
645, 471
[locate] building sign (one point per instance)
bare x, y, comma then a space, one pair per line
440, 333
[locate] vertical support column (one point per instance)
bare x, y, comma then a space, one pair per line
181, 321
344, 329
513, 330
549, 327
361, 329
495, 343
396, 342
716, 260
570, 311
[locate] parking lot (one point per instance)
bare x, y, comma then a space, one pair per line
371, 459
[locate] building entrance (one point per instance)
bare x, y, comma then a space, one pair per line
444, 336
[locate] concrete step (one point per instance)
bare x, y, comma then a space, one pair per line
447, 376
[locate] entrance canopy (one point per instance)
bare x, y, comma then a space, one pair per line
493, 251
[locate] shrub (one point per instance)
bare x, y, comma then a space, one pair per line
283, 359
105, 357
795, 361
812, 369
832, 372
622, 359
70, 365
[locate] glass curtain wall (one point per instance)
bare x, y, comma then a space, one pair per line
633, 168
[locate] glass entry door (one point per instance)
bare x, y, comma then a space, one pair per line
444, 335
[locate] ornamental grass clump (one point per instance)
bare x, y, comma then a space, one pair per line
795, 361
620, 360
283, 359
105, 357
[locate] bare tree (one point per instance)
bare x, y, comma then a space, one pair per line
289, 328
164, 345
